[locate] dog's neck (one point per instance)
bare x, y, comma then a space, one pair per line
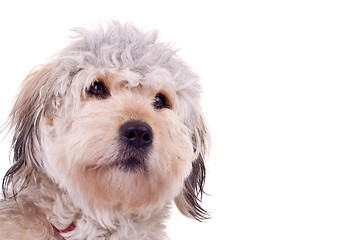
62, 214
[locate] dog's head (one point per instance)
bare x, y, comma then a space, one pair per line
115, 120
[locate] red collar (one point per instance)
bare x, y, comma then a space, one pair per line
66, 230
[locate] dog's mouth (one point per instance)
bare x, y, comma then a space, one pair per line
132, 164
131, 160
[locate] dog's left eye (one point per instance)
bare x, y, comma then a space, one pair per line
98, 89
160, 101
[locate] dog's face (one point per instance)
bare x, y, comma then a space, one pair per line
115, 120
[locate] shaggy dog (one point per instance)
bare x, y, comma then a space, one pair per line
106, 135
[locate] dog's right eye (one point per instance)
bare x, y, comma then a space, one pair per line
98, 89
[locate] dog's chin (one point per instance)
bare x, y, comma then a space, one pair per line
126, 185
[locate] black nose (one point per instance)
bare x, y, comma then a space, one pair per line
136, 134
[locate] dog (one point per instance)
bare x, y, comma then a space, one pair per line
106, 136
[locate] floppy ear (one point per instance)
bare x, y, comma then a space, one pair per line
189, 200
24, 120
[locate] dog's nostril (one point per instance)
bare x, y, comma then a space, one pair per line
136, 133
147, 137
130, 135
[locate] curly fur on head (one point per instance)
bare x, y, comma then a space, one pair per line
74, 163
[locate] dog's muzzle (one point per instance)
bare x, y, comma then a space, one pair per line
136, 138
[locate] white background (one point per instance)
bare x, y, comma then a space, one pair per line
281, 95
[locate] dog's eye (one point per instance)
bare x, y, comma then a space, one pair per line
160, 101
98, 89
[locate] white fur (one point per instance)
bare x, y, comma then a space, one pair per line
68, 141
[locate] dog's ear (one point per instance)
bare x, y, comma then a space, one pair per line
189, 200
24, 120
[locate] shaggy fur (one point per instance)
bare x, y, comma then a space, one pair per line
70, 163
